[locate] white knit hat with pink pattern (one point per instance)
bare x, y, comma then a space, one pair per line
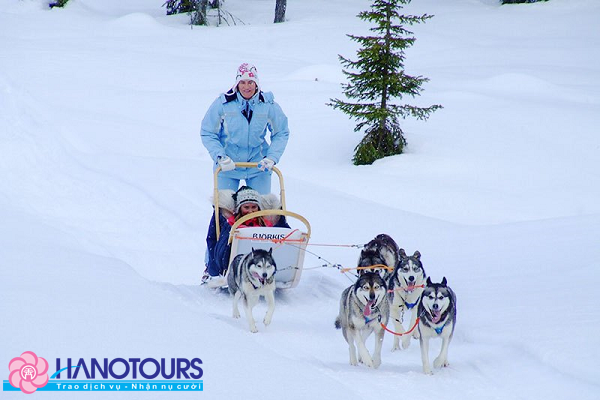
246, 72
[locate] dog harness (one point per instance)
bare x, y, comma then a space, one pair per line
367, 320
440, 329
411, 305
367, 312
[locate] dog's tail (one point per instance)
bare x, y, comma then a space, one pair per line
338, 323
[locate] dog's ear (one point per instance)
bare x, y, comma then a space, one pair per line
444, 281
271, 251
402, 253
417, 255
429, 281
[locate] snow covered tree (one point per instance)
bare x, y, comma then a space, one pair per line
59, 3
179, 6
198, 14
196, 9
377, 78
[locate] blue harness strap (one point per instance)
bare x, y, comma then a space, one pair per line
367, 320
440, 329
411, 305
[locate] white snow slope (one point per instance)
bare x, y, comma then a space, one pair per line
105, 184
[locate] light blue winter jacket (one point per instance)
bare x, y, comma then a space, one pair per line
226, 132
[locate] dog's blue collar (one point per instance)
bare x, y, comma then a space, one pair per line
367, 320
411, 305
440, 329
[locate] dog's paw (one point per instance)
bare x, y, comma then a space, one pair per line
396, 345
236, 314
405, 342
376, 363
267, 321
439, 362
427, 371
366, 360
253, 329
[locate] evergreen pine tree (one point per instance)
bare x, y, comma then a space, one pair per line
378, 77
59, 3
179, 6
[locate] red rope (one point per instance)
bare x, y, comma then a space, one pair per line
400, 334
406, 290
288, 235
285, 239
334, 245
300, 241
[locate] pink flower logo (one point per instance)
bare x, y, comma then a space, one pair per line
28, 372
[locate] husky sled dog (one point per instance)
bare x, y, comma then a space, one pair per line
437, 312
381, 250
253, 275
363, 307
406, 285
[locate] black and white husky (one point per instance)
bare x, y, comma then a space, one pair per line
437, 318
381, 250
253, 275
406, 285
363, 307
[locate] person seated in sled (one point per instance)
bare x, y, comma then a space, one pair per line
232, 207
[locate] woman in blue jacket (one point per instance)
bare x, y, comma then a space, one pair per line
235, 129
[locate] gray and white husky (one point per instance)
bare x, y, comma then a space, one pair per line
253, 275
437, 318
381, 250
363, 307
406, 285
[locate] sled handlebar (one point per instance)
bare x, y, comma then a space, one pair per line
244, 165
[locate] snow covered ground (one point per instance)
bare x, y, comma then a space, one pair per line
105, 184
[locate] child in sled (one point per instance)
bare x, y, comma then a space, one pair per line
232, 207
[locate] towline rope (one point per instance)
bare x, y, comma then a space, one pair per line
400, 334
368, 267
299, 242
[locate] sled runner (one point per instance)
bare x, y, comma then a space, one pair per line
288, 244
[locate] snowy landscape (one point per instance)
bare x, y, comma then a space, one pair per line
105, 194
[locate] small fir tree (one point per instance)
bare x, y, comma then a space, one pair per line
59, 3
378, 77
179, 6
